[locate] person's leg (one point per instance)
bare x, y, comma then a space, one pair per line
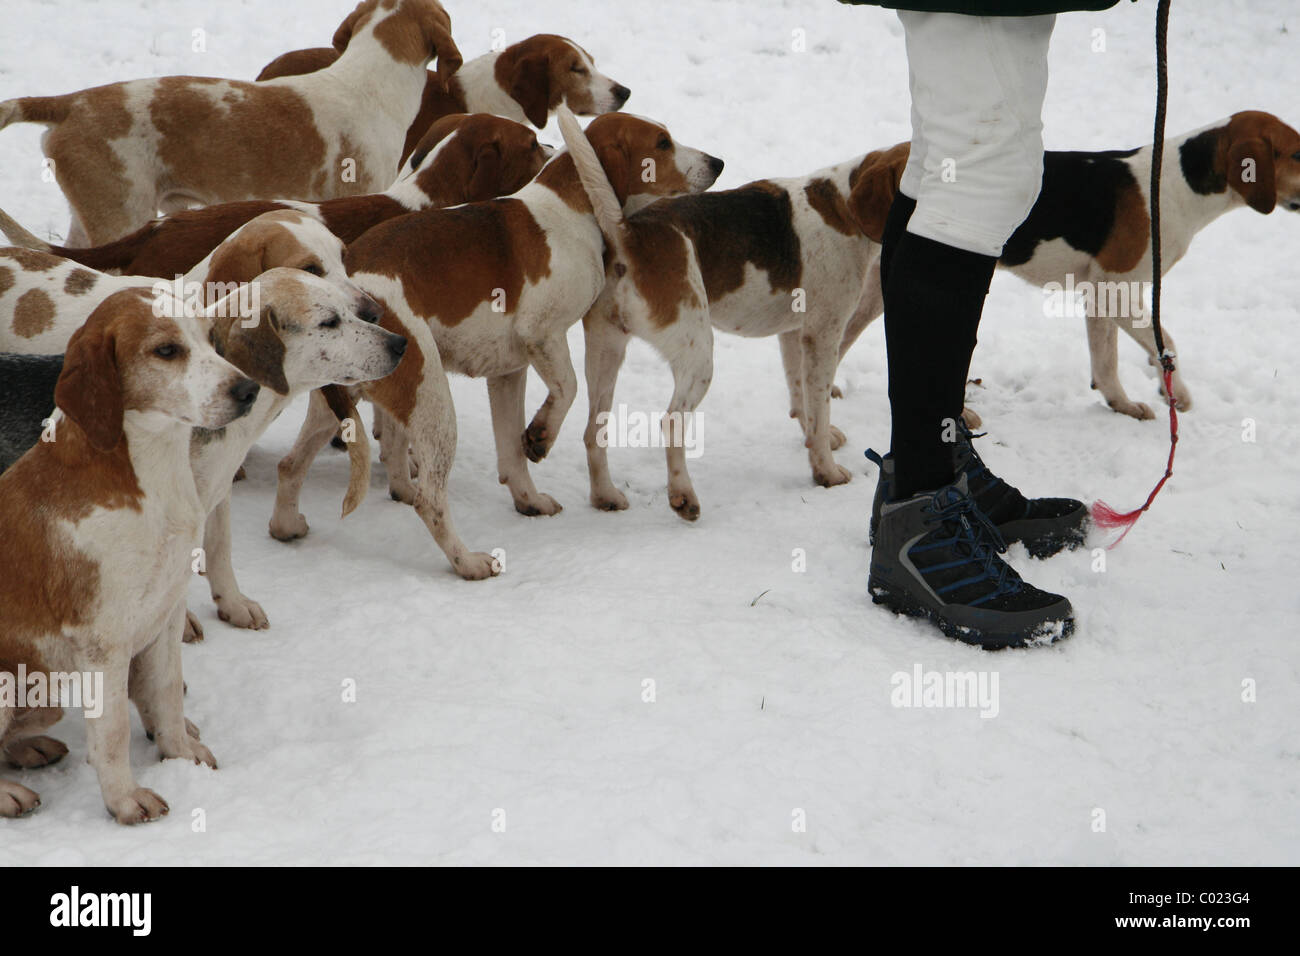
977, 86
973, 175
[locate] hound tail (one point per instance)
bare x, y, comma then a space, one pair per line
19, 236
604, 202
345, 410
35, 109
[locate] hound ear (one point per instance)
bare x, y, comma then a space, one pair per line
875, 190
240, 259
485, 183
1250, 172
89, 389
443, 47
344, 33
258, 352
618, 168
530, 87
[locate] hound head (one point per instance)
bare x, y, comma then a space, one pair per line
131, 359
546, 70
468, 157
873, 186
284, 238
411, 31
306, 333
1261, 160
641, 158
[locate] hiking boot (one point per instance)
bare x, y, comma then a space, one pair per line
936, 556
1045, 525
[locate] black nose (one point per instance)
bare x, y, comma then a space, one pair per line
397, 345
715, 165
244, 392
621, 93
369, 310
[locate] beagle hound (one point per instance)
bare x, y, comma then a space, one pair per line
524, 82
124, 151
462, 158
45, 298
488, 290
310, 334
1090, 231
99, 528
776, 257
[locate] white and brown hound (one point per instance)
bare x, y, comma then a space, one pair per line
1090, 229
462, 158
123, 151
99, 527
524, 82
490, 289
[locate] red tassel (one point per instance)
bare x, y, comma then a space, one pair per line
1103, 515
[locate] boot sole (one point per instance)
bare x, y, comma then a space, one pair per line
1040, 634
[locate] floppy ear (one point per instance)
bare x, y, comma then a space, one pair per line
344, 33
258, 352
1250, 172
874, 192
441, 45
485, 182
238, 260
618, 167
530, 86
89, 389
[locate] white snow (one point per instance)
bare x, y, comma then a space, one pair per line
772, 688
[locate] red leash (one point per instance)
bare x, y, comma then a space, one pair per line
1103, 514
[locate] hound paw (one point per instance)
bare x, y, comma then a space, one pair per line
141, 806
971, 419
16, 800
32, 752
685, 504
832, 476
239, 611
835, 392
837, 438
1138, 410
475, 566
611, 499
193, 629
536, 441
538, 504
288, 527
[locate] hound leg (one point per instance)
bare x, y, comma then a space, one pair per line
394, 451
606, 345
233, 606
24, 746
15, 799
690, 355
506, 397
819, 344
320, 425
430, 421
792, 362
550, 356
1104, 351
1146, 337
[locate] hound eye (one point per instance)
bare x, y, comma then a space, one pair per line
332, 322
314, 269
167, 351
664, 143
580, 70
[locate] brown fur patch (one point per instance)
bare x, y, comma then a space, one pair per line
397, 391
659, 254
1130, 233
34, 313
420, 30
485, 157
29, 259
261, 245
80, 281
873, 186
229, 138
258, 351
83, 143
349, 217
450, 261
6, 279
826, 199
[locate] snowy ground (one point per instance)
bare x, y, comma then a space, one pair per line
521, 699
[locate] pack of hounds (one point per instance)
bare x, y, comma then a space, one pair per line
137, 371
